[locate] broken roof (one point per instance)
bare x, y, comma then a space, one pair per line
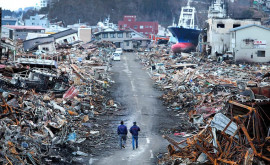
31, 44
248, 26
63, 33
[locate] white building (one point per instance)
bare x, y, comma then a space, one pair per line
38, 20
251, 43
45, 3
85, 34
218, 33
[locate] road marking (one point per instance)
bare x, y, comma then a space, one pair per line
152, 155
132, 86
91, 160
147, 140
149, 74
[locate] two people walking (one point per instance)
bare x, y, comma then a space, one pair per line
122, 133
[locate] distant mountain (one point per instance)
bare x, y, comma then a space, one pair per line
93, 11
163, 11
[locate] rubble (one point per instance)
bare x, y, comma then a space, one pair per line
49, 110
226, 104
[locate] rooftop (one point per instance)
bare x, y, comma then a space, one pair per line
63, 33
24, 27
247, 26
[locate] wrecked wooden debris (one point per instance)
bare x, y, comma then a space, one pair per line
45, 109
227, 103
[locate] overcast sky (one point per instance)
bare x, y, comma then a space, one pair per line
16, 4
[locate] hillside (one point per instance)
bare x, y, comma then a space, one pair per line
92, 11
163, 11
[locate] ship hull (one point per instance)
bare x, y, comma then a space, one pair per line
187, 39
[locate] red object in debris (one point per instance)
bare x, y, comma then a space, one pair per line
180, 134
179, 47
2, 66
71, 93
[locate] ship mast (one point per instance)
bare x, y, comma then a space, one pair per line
187, 15
188, 3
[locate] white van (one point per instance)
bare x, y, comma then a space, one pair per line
119, 50
116, 56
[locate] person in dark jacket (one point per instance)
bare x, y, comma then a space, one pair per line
122, 133
134, 130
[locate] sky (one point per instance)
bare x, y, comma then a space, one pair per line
16, 4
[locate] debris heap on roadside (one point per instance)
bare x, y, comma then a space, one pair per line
228, 104
49, 105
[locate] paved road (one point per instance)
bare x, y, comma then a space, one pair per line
135, 92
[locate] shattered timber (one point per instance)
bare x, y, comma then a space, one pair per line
46, 109
59, 103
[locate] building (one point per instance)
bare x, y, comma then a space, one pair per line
85, 34
55, 28
36, 35
218, 33
68, 36
7, 20
38, 20
43, 3
139, 39
20, 32
41, 43
6, 44
46, 3
250, 43
146, 28
122, 39
50, 42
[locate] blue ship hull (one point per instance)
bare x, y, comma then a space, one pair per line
184, 35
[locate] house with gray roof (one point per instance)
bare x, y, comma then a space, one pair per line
40, 43
49, 43
68, 36
250, 43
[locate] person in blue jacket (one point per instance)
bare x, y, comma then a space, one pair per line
122, 133
134, 130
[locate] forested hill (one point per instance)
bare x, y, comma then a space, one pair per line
163, 11
92, 11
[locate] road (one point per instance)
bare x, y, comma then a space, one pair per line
134, 90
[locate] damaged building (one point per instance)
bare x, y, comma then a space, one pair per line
218, 33
40, 43
253, 47
51, 42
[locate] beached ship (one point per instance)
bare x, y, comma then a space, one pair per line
186, 32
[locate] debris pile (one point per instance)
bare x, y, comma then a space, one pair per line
49, 108
227, 103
